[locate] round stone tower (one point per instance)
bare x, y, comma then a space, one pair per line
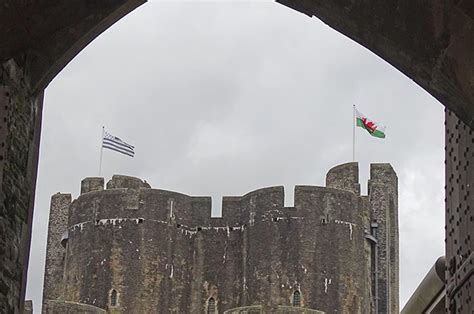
133, 249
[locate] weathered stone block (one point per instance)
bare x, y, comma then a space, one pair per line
92, 184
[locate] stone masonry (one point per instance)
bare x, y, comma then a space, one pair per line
20, 121
57, 231
383, 203
133, 249
459, 215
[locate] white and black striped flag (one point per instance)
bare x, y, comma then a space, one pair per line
114, 143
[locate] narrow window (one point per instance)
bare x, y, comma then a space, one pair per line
211, 306
296, 298
113, 297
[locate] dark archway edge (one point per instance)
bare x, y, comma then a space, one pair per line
432, 42
44, 37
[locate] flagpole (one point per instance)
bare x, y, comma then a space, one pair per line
101, 149
353, 132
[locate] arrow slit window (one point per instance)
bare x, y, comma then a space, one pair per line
211, 306
296, 298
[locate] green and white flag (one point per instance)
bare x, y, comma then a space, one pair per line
374, 128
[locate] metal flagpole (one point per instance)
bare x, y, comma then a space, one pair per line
353, 133
101, 149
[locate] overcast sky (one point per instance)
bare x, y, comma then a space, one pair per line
221, 98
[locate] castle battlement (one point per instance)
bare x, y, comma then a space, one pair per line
170, 207
127, 197
125, 233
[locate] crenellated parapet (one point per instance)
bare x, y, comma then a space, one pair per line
92, 184
140, 201
126, 182
344, 177
156, 249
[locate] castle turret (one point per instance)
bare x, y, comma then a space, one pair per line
383, 204
55, 253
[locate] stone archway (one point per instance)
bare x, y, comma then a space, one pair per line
432, 43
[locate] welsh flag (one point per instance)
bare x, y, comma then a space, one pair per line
374, 128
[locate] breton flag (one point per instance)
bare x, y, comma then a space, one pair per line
114, 143
374, 128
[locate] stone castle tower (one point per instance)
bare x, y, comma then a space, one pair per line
133, 249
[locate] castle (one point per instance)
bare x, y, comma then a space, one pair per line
129, 248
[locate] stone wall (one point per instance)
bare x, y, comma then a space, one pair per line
20, 125
28, 308
65, 307
383, 203
459, 215
55, 258
162, 250
344, 177
92, 184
